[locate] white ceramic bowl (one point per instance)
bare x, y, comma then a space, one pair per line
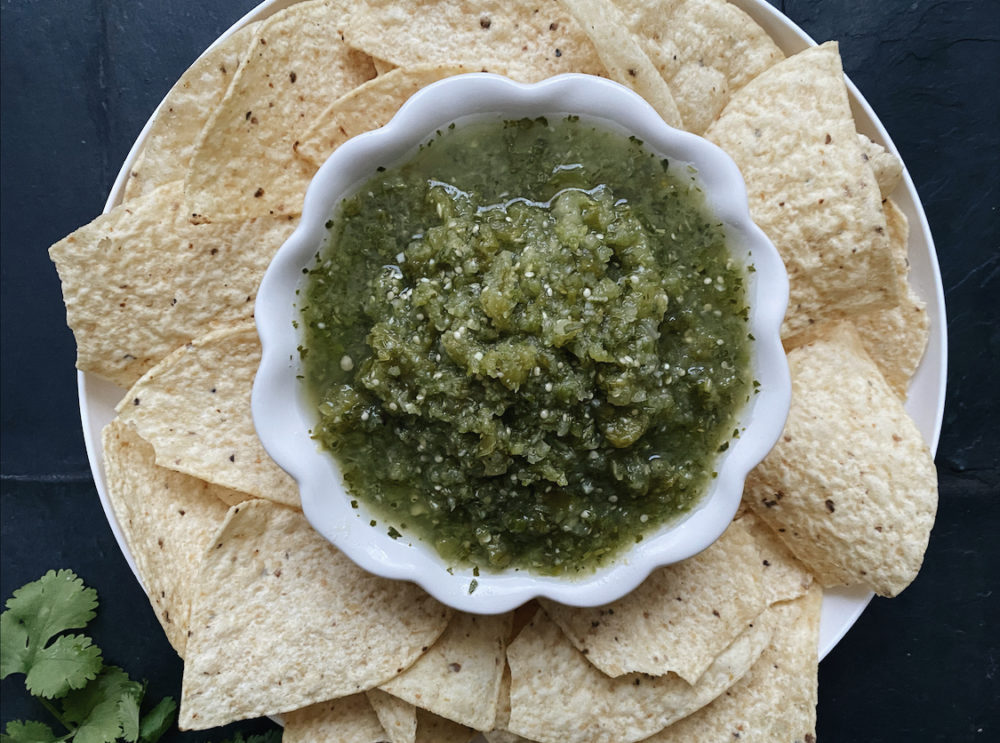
284, 416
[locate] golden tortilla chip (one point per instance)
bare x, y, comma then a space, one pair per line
194, 408
459, 677
348, 719
368, 107
785, 578
896, 338
850, 486
275, 597
705, 50
398, 718
142, 280
623, 56
530, 40
168, 520
791, 132
244, 164
679, 619
776, 699
166, 153
888, 168
556, 696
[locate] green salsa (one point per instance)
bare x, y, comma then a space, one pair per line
527, 344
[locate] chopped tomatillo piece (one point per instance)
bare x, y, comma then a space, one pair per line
529, 343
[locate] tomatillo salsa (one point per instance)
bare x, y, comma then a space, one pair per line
527, 344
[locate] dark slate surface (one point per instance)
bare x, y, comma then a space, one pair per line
79, 79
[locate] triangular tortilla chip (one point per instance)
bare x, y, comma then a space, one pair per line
166, 153
896, 338
556, 696
142, 280
706, 50
791, 132
531, 41
434, 729
887, 168
679, 619
194, 408
623, 56
850, 487
776, 699
348, 720
244, 164
398, 718
168, 520
368, 107
459, 677
273, 596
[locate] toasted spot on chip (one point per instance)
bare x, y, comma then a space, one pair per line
274, 596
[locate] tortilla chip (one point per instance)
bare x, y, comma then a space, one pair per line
434, 729
244, 163
194, 408
274, 596
398, 718
346, 720
896, 338
556, 696
166, 153
368, 107
623, 56
168, 520
850, 487
888, 168
459, 677
791, 132
679, 619
531, 41
785, 578
140, 281
705, 50
776, 699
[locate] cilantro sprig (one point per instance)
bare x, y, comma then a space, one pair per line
93, 702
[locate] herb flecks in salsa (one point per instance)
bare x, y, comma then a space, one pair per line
528, 342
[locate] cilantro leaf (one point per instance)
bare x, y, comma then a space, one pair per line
158, 720
271, 736
56, 602
96, 708
28, 732
128, 714
68, 663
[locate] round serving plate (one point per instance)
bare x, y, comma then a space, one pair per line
841, 606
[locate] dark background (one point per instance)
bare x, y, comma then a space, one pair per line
80, 78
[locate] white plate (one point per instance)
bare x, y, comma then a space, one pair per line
841, 606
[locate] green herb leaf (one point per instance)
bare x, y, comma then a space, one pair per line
128, 714
97, 707
158, 720
28, 732
271, 736
56, 602
68, 663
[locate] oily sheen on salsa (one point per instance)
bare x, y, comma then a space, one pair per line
527, 344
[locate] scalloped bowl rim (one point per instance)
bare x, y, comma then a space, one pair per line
283, 416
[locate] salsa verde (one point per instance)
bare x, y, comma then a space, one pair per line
527, 344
